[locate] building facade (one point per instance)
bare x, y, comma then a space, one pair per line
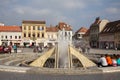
10, 35
95, 29
33, 32
117, 39
86, 37
110, 36
79, 33
54, 32
62, 26
52, 35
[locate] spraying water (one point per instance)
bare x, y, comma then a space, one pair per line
63, 43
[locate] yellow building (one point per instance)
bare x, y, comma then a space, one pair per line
33, 32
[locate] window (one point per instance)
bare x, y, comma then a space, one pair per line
6, 37
10, 37
38, 35
29, 35
70, 34
48, 36
52, 36
29, 27
24, 27
24, 34
15, 37
65, 33
33, 27
19, 37
42, 28
33, 35
42, 35
2, 37
38, 27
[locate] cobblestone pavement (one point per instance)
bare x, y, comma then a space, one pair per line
27, 53
16, 59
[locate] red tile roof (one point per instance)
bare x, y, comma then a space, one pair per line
33, 22
82, 29
10, 29
52, 29
62, 25
87, 33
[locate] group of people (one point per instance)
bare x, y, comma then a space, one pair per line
8, 49
107, 60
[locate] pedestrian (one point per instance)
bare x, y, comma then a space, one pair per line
15, 48
39, 49
10, 48
102, 61
88, 49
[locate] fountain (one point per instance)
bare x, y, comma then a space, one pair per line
63, 55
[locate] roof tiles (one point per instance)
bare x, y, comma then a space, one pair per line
52, 29
112, 27
82, 29
10, 29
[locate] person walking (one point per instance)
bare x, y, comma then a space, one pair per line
15, 48
10, 48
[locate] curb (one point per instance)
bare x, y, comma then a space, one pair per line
13, 69
59, 71
110, 69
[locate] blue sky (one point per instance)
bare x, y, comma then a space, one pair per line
77, 13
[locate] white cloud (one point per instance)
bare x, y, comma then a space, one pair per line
112, 10
31, 11
19, 10
73, 4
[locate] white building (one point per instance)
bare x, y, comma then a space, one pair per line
10, 35
79, 33
54, 33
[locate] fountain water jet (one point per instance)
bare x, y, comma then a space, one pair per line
63, 43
